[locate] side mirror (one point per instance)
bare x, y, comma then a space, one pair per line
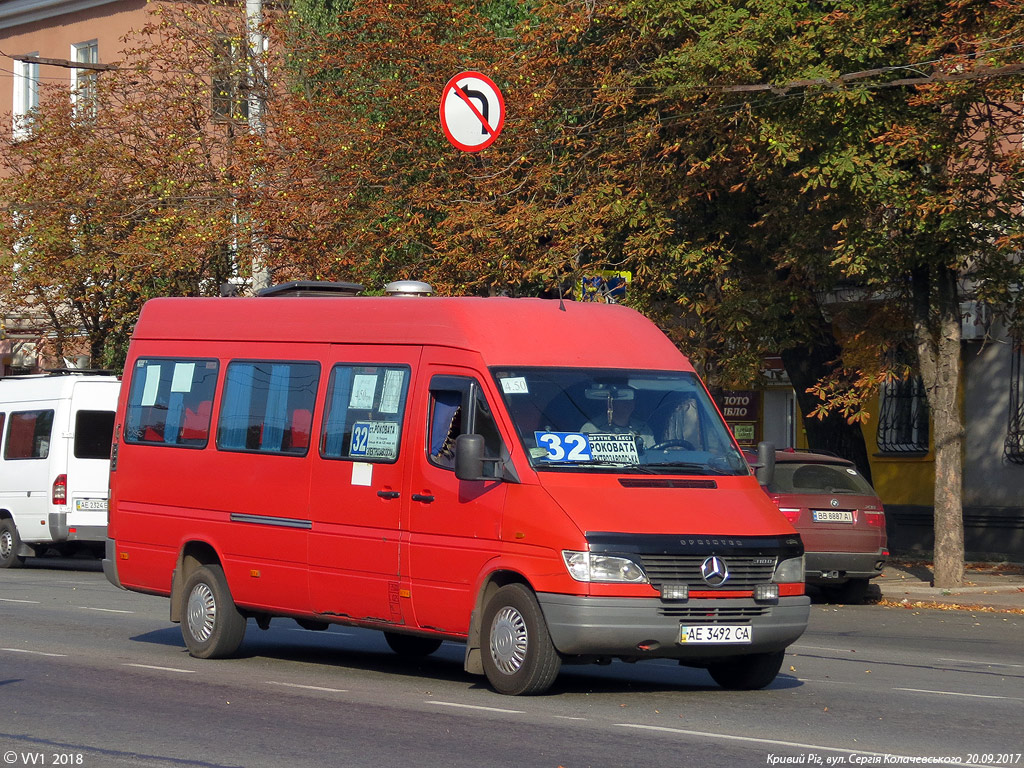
469, 457
765, 471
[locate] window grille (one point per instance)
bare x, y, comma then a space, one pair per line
903, 417
229, 96
1013, 447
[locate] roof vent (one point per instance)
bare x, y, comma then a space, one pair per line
408, 288
312, 288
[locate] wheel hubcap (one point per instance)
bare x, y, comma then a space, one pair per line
6, 544
508, 640
202, 612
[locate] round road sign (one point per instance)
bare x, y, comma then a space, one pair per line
472, 111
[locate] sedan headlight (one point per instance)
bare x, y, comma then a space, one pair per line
789, 571
589, 566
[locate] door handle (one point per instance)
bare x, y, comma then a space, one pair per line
388, 494
424, 497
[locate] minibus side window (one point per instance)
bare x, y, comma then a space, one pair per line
267, 407
365, 409
28, 435
458, 407
170, 402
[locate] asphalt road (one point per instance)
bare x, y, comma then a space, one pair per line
94, 676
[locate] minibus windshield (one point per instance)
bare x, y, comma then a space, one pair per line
587, 419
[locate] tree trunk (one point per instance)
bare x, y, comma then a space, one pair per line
937, 337
807, 366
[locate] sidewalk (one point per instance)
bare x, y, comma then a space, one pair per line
987, 586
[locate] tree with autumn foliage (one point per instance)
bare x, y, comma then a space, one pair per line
745, 161
127, 191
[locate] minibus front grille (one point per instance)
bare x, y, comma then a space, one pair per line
744, 572
714, 615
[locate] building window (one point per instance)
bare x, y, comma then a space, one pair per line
1013, 448
26, 96
229, 97
83, 81
903, 417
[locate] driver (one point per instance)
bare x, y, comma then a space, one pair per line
619, 419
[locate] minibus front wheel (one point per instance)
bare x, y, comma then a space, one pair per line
10, 543
211, 623
518, 655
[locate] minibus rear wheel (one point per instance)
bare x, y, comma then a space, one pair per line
10, 543
518, 655
211, 623
747, 673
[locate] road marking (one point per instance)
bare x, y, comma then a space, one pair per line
308, 687
566, 717
984, 663
34, 653
774, 742
956, 693
473, 706
104, 610
820, 648
161, 669
12, 600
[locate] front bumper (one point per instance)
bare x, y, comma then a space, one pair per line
648, 628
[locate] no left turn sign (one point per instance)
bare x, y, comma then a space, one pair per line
472, 111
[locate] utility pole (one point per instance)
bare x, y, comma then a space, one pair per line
257, 127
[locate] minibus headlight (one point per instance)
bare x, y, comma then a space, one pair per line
790, 571
588, 566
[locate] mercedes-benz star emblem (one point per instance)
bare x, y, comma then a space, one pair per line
714, 571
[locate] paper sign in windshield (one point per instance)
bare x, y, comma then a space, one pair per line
579, 446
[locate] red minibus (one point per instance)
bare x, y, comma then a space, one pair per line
545, 482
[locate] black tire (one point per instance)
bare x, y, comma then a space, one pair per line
10, 543
211, 623
854, 592
747, 673
411, 646
518, 655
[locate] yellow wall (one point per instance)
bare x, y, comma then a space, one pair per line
899, 479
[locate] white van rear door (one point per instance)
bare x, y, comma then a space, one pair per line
90, 429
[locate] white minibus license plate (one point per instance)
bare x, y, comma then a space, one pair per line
714, 634
91, 505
